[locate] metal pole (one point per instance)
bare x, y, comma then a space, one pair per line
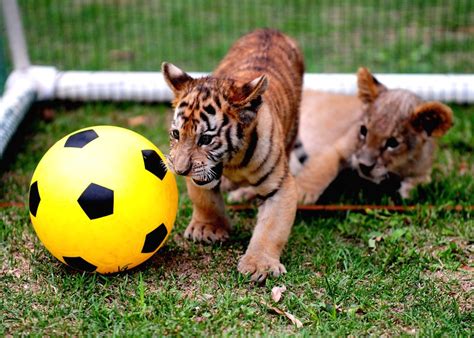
3, 67
16, 36
14, 105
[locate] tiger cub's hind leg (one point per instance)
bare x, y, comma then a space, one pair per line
209, 222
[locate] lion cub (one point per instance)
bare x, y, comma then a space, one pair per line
240, 123
381, 132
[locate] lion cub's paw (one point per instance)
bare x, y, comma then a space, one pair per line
307, 197
260, 266
241, 195
405, 190
206, 232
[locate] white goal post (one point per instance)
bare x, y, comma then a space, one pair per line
28, 83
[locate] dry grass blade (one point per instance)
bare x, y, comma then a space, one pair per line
288, 315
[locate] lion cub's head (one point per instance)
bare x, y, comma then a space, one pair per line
397, 135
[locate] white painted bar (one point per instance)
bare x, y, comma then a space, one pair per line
16, 37
14, 105
151, 87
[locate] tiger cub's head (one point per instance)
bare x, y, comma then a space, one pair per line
398, 130
211, 119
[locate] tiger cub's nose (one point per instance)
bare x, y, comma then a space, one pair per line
183, 172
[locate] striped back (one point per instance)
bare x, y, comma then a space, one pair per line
269, 52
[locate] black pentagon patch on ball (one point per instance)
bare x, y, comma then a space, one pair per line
34, 198
154, 163
79, 264
154, 239
97, 201
81, 138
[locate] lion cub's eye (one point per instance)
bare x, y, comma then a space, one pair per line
363, 131
204, 140
392, 143
175, 134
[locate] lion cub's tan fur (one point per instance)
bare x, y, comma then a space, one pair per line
379, 132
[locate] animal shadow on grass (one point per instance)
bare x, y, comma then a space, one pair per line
350, 188
181, 257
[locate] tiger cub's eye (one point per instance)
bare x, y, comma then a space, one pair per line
363, 131
204, 140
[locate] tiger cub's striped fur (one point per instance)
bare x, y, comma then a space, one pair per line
240, 123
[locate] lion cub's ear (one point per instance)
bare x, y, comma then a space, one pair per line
368, 86
175, 77
249, 91
434, 118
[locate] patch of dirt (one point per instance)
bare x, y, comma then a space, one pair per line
14, 186
191, 261
464, 248
18, 266
461, 285
21, 264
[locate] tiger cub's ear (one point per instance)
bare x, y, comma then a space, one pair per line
433, 117
368, 86
249, 91
175, 77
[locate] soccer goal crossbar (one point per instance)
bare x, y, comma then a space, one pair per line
30, 83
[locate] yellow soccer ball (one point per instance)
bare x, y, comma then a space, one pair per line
101, 199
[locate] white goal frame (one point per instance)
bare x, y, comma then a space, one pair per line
29, 83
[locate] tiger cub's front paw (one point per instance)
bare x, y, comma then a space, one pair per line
260, 266
207, 232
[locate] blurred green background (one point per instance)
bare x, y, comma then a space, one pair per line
405, 36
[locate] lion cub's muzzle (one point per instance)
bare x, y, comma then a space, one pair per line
366, 169
372, 172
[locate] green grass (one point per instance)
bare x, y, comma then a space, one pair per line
348, 273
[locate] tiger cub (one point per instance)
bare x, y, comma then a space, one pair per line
381, 133
240, 123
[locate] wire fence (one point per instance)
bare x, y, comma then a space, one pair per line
404, 36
